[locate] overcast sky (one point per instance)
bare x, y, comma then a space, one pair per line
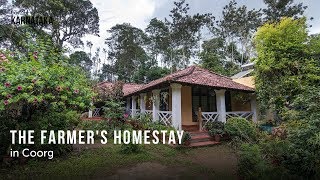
139, 12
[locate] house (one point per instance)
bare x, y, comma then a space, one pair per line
190, 98
245, 76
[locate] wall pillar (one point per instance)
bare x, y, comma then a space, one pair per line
221, 105
90, 110
253, 104
134, 106
176, 105
142, 103
156, 104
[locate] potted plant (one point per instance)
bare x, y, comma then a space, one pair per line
216, 133
186, 139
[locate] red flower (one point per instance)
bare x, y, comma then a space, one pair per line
58, 88
125, 116
35, 56
3, 58
76, 91
9, 96
19, 88
6, 102
35, 53
7, 84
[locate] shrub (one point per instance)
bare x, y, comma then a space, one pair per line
251, 165
49, 120
214, 132
215, 127
241, 128
144, 118
130, 148
114, 110
141, 122
186, 137
108, 125
40, 90
302, 156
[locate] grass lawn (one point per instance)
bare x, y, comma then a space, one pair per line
155, 161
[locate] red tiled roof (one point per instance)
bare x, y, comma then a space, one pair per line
127, 87
198, 76
191, 75
205, 77
130, 87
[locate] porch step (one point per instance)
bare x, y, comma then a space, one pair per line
202, 144
198, 133
190, 128
201, 138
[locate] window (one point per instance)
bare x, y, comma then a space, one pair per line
228, 101
138, 102
205, 98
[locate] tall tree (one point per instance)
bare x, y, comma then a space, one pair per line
214, 56
11, 35
287, 79
81, 58
237, 26
184, 34
72, 19
96, 62
158, 34
126, 49
107, 73
276, 9
285, 62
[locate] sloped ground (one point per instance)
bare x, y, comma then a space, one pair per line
154, 162
216, 162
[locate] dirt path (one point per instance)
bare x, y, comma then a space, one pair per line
148, 170
217, 162
220, 159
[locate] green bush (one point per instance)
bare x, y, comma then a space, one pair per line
49, 120
186, 137
108, 125
114, 110
241, 128
214, 132
251, 164
302, 156
40, 91
130, 148
7, 123
145, 118
215, 127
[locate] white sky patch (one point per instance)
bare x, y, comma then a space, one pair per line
139, 12
112, 12
315, 29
